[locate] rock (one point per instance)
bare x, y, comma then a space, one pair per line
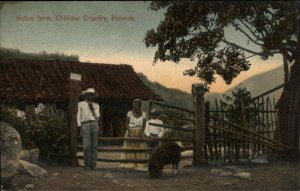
130, 185
238, 170
76, 176
31, 169
30, 156
227, 184
234, 168
55, 174
225, 173
244, 161
25, 155
115, 182
244, 175
29, 186
188, 166
231, 167
214, 163
108, 175
11, 146
34, 155
215, 171
261, 159
188, 153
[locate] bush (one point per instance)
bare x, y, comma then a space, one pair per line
48, 130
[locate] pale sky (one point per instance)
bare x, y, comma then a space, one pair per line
113, 42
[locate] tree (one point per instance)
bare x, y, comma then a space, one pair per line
9, 53
196, 30
240, 106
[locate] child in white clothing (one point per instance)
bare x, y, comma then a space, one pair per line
153, 131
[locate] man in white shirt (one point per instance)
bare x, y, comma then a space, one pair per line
152, 131
87, 121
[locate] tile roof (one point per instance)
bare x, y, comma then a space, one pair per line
32, 81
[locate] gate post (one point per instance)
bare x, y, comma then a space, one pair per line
75, 80
198, 91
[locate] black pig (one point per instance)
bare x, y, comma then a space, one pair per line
167, 153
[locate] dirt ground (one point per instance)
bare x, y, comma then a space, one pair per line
108, 176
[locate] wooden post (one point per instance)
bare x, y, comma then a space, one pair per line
198, 91
208, 135
100, 122
149, 109
75, 80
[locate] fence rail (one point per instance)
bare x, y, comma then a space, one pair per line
129, 149
173, 107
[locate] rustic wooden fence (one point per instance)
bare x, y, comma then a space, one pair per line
228, 142
210, 134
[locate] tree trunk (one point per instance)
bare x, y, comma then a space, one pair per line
289, 108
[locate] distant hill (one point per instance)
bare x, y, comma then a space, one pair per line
10, 53
171, 96
256, 84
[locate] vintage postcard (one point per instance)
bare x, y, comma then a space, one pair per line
150, 95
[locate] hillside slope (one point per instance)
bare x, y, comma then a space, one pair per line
257, 84
171, 96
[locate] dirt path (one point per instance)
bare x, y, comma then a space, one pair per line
277, 176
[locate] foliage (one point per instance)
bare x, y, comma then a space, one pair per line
9, 53
240, 107
196, 30
47, 130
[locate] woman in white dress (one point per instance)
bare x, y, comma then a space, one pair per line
135, 124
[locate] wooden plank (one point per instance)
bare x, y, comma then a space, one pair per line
273, 111
142, 139
117, 149
172, 127
117, 160
173, 107
126, 160
178, 117
129, 149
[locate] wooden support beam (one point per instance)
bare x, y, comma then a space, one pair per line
75, 80
198, 91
